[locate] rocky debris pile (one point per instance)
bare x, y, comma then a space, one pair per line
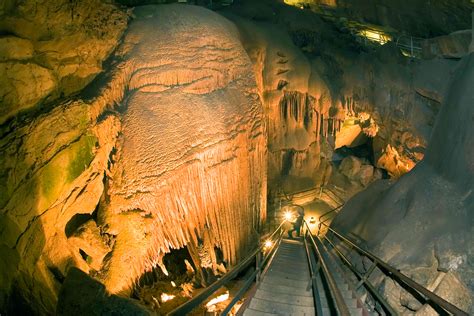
360, 170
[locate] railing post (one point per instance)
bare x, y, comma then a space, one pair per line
258, 259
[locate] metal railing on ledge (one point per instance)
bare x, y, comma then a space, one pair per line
427, 296
254, 257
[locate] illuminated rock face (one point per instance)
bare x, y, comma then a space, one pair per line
322, 92
167, 151
422, 223
190, 166
55, 48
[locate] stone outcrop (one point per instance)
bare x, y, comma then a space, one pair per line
322, 91
83, 295
422, 223
454, 45
53, 49
165, 150
190, 166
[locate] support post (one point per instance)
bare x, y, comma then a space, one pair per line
258, 259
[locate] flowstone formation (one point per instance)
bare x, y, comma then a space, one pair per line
190, 166
423, 223
164, 150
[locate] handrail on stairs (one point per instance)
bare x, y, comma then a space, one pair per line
335, 293
395, 274
336, 209
255, 255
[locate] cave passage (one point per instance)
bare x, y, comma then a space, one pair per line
156, 154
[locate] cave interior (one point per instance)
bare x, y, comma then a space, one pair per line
148, 147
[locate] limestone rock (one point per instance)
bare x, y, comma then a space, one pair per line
430, 78
452, 290
454, 45
82, 295
350, 136
365, 174
15, 48
64, 43
350, 166
193, 127
88, 240
395, 164
392, 217
22, 86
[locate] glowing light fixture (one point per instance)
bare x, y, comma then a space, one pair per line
268, 243
173, 284
297, 3
375, 36
216, 300
166, 297
288, 216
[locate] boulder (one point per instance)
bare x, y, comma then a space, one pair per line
350, 166
22, 86
365, 174
16, 48
82, 295
454, 45
90, 244
452, 290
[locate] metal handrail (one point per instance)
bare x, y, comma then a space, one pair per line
363, 280
394, 273
334, 290
329, 212
206, 293
313, 272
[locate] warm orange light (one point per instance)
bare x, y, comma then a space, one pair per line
268, 243
313, 221
166, 297
216, 300
288, 216
376, 36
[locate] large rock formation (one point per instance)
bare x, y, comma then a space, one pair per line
164, 150
52, 49
417, 17
423, 223
322, 91
190, 165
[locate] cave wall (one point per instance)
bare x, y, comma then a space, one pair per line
165, 148
415, 18
321, 91
423, 223
52, 49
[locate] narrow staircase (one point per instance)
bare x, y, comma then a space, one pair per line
286, 287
